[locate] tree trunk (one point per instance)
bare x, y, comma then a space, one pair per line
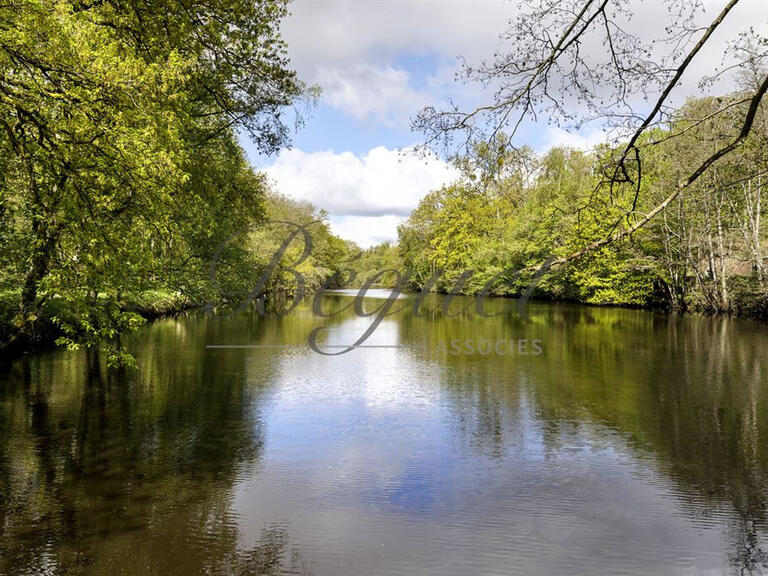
724, 303
42, 253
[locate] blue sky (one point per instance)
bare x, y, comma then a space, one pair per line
329, 126
378, 63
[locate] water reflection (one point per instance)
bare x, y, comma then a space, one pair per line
683, 396
110, 472
632, 444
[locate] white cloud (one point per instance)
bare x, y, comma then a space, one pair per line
339, 33
584, 139
365, 91
355, 50
367, 231
352, 50
382, 182
367, 196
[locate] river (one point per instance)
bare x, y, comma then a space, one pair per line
562, 440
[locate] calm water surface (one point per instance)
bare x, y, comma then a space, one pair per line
635, 443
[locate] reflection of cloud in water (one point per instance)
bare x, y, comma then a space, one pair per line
390, 461
385, 460
385, 379
395, 502
371, 293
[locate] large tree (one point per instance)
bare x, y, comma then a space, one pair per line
119, 127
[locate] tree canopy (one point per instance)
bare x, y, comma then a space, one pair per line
576, 61
121, 166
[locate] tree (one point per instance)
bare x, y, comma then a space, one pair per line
118, 127
550, 73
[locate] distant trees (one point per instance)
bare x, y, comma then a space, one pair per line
381, 261
706, 251
325, 254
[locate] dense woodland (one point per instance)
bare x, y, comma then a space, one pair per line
512, 210
121, 170
122, 177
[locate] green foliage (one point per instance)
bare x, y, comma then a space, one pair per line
381, 261
326, 251
120, 166
155, 302
611, 275
510, 210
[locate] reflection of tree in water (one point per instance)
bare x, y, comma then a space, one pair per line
689, 391
692, 397
732, 462
268, 557
104, 472
475, 384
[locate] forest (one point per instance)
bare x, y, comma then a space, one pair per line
122, 176
513, 210
121, 168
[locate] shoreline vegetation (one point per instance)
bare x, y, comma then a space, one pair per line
156, 304
122, 178
509, 210
149, 305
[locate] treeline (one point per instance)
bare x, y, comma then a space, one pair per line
512, 210
121, 172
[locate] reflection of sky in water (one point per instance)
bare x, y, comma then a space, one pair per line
380, 465
373, 293
635, 444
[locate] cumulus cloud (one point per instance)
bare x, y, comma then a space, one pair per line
368, 196
367, 231
584, 139
342, 33
352, 48
381, 93
380, 182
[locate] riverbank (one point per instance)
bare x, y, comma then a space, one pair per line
149, 304
748, 300
748, 303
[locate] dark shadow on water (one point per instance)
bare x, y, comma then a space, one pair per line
108, 471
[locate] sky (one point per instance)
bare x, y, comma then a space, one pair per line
378, 63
